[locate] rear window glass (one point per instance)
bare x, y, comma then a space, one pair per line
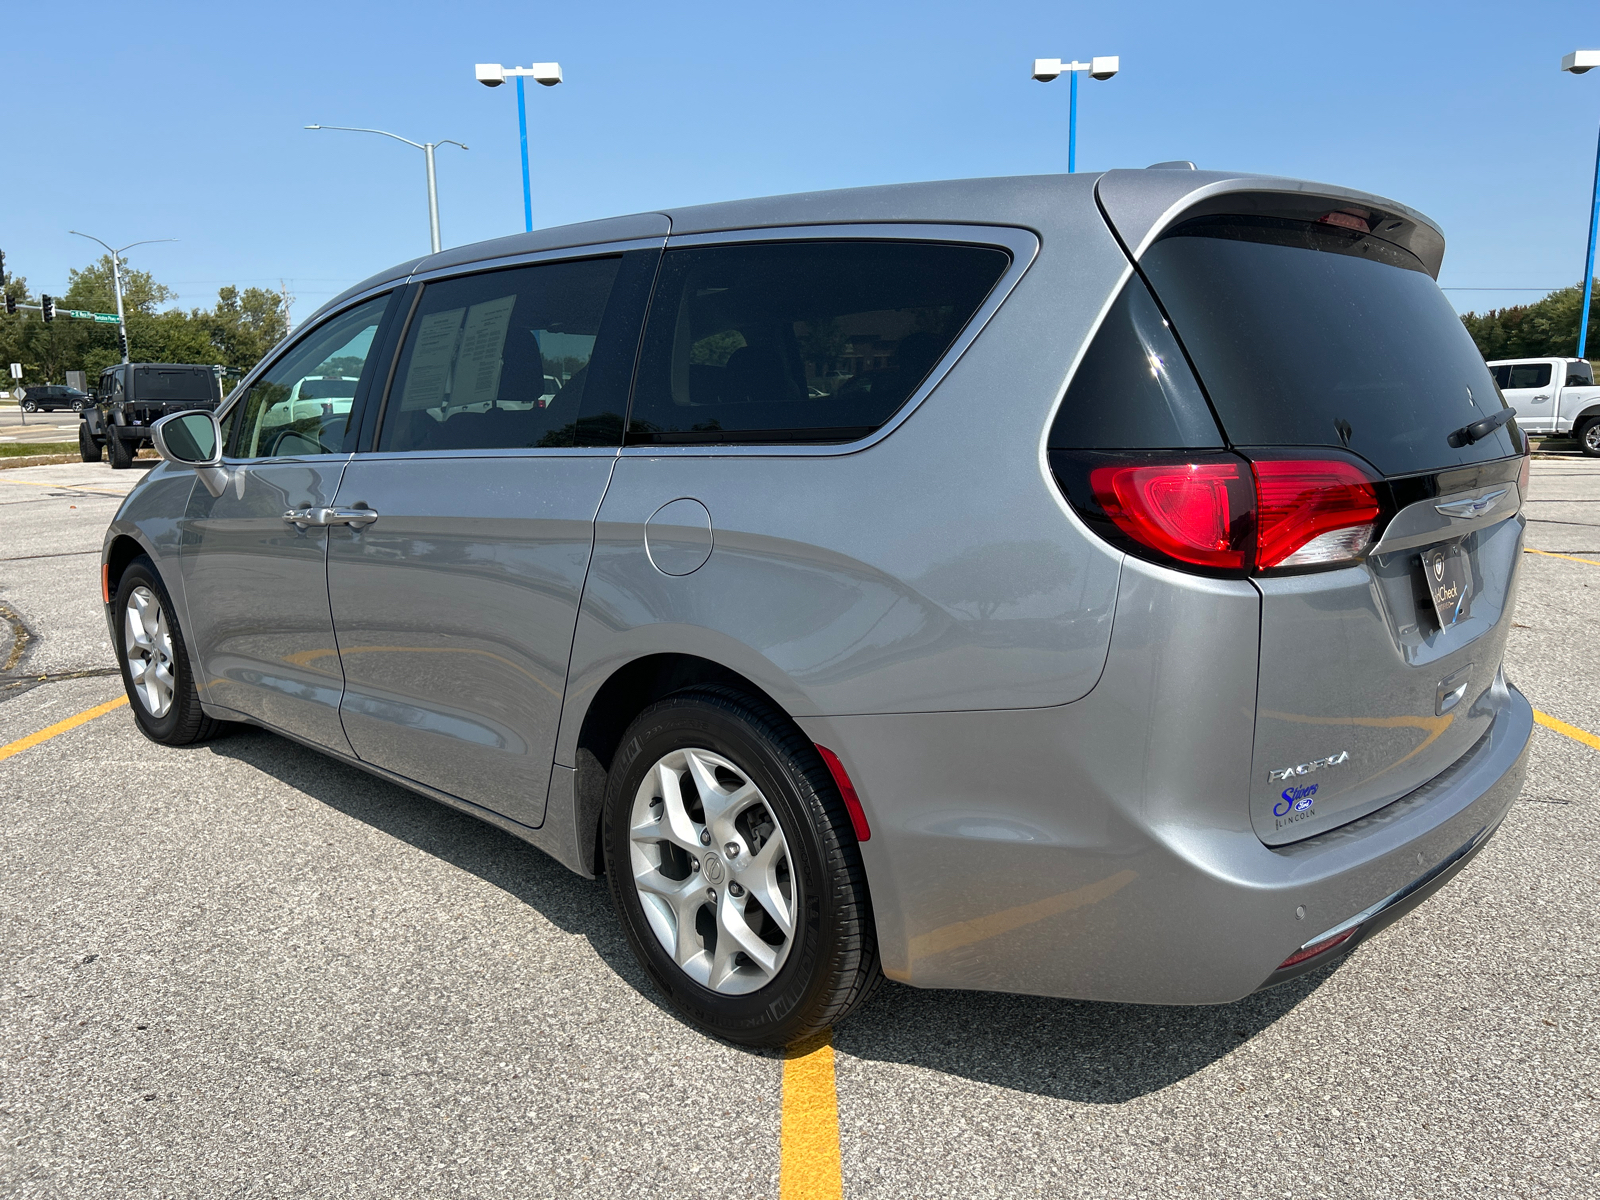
159, 383
1307, 334
801, 341
1580, 375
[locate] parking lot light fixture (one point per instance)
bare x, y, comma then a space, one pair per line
1579, 62
493, 75
427, 149
1046, 69
116, 281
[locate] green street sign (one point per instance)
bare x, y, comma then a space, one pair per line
105, 318
102, 318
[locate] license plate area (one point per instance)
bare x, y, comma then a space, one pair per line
1447, 574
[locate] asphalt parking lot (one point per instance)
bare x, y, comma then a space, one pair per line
245, 970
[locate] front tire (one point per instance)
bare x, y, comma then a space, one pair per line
29, 406
121, 451
88, 448
156, 667
1588, 435
734, 870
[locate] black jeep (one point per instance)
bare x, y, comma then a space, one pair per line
131, 397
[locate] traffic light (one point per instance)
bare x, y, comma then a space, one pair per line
2, 268
47, 307
122, 343
11, 303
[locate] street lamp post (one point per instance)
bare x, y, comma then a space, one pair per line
116, 281
1578, 62
493, 75
1046, 69
427, 149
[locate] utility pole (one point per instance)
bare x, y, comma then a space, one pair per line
116, 281
283, 291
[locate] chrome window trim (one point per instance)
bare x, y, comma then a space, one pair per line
367, 456
1023, 244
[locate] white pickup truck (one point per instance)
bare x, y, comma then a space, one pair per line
1553, 396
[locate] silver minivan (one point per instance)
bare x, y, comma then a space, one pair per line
1090, 586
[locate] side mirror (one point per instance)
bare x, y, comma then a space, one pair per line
193, 439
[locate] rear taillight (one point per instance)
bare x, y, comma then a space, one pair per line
1194, 512
1312, 512
1221, 513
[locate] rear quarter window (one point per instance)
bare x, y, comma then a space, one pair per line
799, 342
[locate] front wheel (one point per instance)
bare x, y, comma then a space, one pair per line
29, 406
156, 666
1589, 437
734, 869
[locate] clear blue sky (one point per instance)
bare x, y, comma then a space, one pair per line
185, 120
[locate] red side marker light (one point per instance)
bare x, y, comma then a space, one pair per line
1316, 948
852, 802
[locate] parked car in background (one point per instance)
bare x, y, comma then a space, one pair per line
53, 397
1127, 624
131, 397
1553, 396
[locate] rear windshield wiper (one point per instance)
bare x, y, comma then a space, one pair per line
1479, 430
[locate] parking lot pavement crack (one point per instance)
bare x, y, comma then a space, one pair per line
57, 554
21, 636
12, 687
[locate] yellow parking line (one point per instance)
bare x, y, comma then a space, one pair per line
44, 735
809, 1162
1571, 731
1552, 554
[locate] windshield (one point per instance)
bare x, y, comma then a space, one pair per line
173, 383
1306, 334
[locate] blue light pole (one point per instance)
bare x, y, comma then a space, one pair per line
1578, 62
493, 75
1046, 69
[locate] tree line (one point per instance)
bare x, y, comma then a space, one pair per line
234, 332
1547, 328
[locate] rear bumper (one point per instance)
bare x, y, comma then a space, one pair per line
1103, 849
1110, 910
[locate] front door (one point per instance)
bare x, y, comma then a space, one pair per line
455, 603
254, 559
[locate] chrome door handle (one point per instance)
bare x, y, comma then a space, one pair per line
359, 518
306, 518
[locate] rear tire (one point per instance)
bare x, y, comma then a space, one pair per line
88, 448
1588, 435
121, 451
156, 668
756, 803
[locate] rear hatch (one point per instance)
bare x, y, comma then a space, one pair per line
1375, 486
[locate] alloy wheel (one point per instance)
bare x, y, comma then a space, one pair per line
148, 643
712, 870
1591, 437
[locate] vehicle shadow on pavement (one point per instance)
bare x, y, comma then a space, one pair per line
573, 904
1090, 1052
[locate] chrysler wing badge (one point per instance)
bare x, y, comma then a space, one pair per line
1474, 506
